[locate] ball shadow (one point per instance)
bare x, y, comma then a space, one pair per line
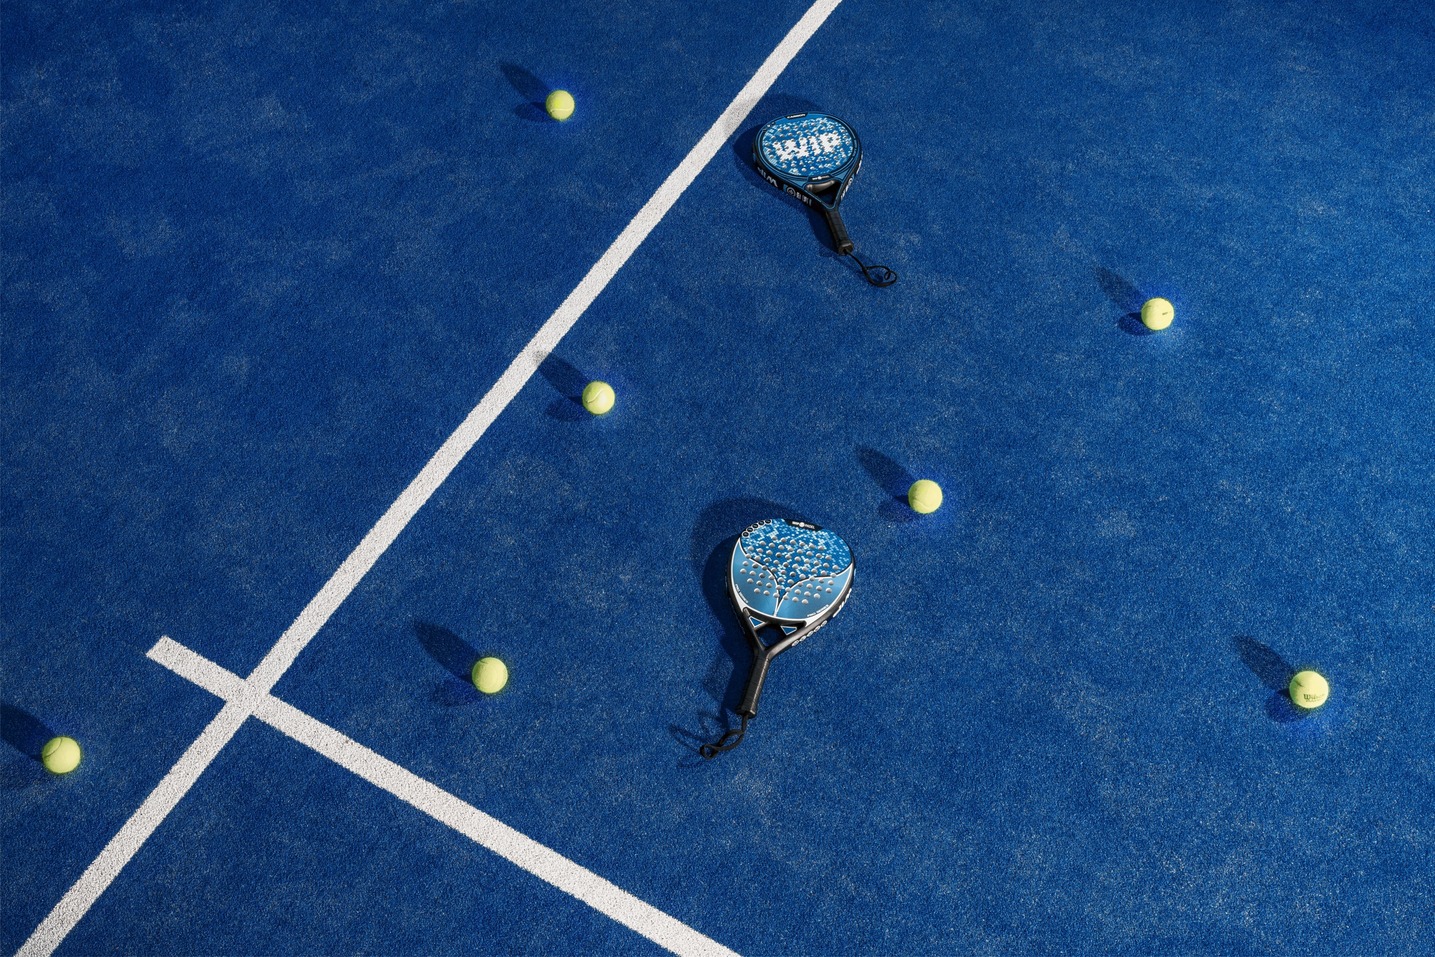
893, 480
568, 381
532, 89
1275, 673
1122, 293
1264, 662
455, 656
23, 731
27, 734
1126, 297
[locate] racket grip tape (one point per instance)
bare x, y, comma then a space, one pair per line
840, 240
748, 706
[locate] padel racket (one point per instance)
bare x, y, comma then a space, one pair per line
786, 580
814, 157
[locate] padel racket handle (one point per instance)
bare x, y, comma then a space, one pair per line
748, 707
840, 240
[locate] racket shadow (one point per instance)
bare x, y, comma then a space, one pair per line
716, 529
767, 108
770, 106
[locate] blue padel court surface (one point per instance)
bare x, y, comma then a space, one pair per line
299, 301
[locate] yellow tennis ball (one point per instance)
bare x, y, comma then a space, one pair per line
490, 675
559, 104
1157, 314
1309, 689
598, 398
925, 496
61, 755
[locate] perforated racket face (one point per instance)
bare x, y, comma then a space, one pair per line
789, 573
806, 147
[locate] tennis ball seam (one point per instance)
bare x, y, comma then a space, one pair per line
599, 397
559, 104
924, 496
61, 755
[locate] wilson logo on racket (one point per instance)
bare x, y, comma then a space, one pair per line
786, 580
814, 157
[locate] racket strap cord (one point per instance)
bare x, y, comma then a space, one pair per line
730, 739
875, 274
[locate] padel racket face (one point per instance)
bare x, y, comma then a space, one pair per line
812, 156
791, 576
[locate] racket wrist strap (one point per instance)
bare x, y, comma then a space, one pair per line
730, 739
747, 710
875, 274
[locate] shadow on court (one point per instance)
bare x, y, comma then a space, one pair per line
569, 383
533, 90
893, 480
455, 656
1265, 663
1274, 672
26, 734
714, 534
1127, 298
770, 107
23, 731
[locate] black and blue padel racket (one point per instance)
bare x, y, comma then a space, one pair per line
786, 580
814, 157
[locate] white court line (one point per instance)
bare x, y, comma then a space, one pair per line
382, 535
176, 783
540, 861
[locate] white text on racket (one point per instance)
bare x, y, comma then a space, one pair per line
803, 146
